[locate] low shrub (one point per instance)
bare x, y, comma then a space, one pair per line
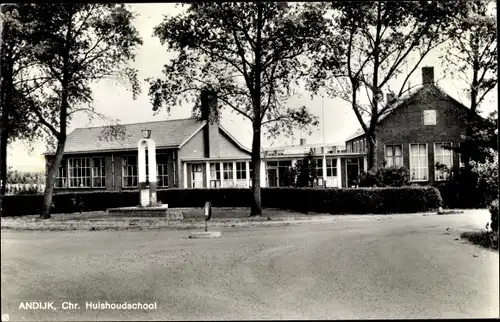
333, 201
385, 177
487, 239
474, 186
493, 208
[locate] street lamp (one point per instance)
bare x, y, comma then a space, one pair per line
146, 134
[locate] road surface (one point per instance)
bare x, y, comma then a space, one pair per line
353, 268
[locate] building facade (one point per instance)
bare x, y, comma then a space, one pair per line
417, 131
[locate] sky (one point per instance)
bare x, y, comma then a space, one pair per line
115, 101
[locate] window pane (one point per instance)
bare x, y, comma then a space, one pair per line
398, 151
388, 150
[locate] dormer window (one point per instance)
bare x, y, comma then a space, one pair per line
430, 117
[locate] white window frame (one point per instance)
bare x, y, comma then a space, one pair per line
62, 175
215, 175
433, 111
162, 171
393, 155
196, 168
130, 167
319, 169
98, 172
426, 159
80, 173
241, 170
436, 172
334, 169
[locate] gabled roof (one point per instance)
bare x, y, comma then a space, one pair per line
166, 134
406, 98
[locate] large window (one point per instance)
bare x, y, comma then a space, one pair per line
196, 176
228, 170
62, 175
331, 167
319, 168
79, 173
394, 155
215, 175
241, 170
419, 170
98, 173
129, 170
162, 167
443, 155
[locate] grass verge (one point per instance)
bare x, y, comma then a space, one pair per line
487, 239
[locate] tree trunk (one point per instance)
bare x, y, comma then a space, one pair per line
6, 68
256, 209
50, 181
63, 116
372, 153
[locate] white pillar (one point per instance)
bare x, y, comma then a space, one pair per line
234, 173
263, 182
147, 194
185, 175
365, 164
207, 165
339, 172
247, 169
221, 175
324, 169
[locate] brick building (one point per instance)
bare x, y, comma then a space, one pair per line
415, 131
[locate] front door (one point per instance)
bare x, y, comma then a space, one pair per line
272, 177
352, 172
196, 176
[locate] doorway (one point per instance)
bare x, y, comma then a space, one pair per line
196, 176
272, 177
352, 172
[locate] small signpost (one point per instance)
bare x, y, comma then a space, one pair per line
206, 234
208, 213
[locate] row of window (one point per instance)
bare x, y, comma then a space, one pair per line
419, 168
87, 172
219, 172
357, 146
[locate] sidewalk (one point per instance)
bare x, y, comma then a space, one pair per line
193, 219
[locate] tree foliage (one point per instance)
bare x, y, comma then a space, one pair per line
73, 47
250, 55
471, 56
369, 44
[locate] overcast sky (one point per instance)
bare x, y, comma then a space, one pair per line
114, 101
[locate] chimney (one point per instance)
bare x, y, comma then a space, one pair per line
302, 141
427, 75
389, 97
210, 114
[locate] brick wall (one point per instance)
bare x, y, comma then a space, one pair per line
406, 125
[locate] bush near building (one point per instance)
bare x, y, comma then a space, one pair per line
474, 186
385, 177
333, 201
493, 208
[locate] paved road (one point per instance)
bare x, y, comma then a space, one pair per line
354, 268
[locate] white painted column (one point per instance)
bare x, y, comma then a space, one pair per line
247, 169
324, 169
339, 172
221, 175
185, 175
365, 164
207, 165
263, 182
234, 173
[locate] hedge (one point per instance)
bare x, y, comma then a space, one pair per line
333, 201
